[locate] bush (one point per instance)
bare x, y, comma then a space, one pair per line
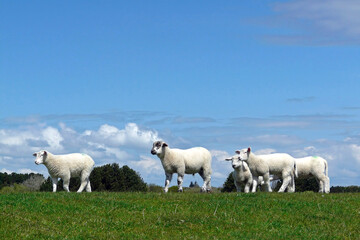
16, 188
229, 185
109, 177
34, 182
155, 188
349, 189
173, 189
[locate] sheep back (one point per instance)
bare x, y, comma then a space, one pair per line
279, 162
190, 161
74, 163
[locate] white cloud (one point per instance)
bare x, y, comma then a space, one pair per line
320, 22
53, 137
220, 167
131, 144
4, 170
219, 155
26, 170
355, 152
15, 138
265, 151
149, 165
131, 135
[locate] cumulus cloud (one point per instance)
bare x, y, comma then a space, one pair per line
131, 135
355, 152
4, 170
265, 151
26, 170
149, 165
108, 144
53, 137
220, 167
130, 144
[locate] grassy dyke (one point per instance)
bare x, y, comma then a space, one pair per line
101, 215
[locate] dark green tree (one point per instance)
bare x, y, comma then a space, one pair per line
109, 177
306, 184
348, 189
229, 185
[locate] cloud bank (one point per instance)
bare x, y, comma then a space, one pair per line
130, 144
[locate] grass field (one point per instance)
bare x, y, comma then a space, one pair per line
101, 215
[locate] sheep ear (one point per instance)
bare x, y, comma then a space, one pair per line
165, 144
228, 159
45, 152
249, 149
237, 151
34, 154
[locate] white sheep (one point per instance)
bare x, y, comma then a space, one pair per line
188, 161
317, 167
67, 166
241, 173
258, 167
282, 166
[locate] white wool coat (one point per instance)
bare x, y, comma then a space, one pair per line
74, 164
186, 161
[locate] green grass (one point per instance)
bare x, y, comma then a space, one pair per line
101, 215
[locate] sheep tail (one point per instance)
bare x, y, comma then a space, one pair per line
295, 170
326, 168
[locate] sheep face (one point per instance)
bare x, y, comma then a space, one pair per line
235, 161
40, 157
158, 147
243, 154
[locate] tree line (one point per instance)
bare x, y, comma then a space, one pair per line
112, 178
109, 177
301, 185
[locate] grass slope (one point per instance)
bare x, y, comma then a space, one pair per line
179, 216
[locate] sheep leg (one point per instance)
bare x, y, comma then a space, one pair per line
88, 187
180, 180
327, 184
237, 185
84, 182
167, 181
247, 187
255, 183
291, 187
267, 182
286, 182
207, 182
324, 184
66, 183
54, 181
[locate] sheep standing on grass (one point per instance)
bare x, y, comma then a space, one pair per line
188, 161
258, 167
241, 173
316, 167
282, 166
67, 166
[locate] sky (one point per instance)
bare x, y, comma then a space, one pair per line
108, 78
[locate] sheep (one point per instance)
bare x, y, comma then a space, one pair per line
188, 161
241, 173
282, 166
66, 166
317, 167
258, 167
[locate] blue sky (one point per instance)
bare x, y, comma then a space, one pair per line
108, 78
